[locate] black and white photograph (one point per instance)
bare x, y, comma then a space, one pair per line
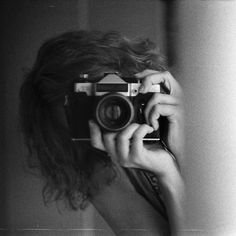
118, 118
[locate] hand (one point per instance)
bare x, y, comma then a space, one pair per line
127, 149
168, 105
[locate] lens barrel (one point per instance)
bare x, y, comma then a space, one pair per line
114, 112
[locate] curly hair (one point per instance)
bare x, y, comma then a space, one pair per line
66, 171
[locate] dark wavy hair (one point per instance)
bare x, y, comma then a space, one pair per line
67, 168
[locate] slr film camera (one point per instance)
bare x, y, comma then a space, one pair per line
114, 102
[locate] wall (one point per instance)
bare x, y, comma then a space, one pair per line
206, 59
133, 18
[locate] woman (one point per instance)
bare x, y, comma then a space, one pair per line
109, 172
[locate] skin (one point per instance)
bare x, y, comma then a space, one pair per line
127, 149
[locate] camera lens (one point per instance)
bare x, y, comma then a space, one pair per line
114, 112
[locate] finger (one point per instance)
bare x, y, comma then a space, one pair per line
151, 77
150, 80
159, 98
153, 117
172, 112
110, 144
123, 140
137, 139
95, 135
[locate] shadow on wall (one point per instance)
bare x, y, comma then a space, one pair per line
3, 108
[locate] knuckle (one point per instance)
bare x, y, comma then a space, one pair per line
108, 136
156, 108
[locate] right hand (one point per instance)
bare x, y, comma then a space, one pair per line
169, 105
127, 149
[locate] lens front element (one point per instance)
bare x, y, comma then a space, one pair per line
114, 112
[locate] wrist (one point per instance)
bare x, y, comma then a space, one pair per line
172, 182
173, 191
166, 168
169, 175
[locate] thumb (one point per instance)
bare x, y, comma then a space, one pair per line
96, 136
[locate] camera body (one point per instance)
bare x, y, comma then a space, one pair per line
114, 102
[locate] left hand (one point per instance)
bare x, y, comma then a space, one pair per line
168, 105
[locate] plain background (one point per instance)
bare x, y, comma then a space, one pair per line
199, 37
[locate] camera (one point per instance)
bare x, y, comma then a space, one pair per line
114, 102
